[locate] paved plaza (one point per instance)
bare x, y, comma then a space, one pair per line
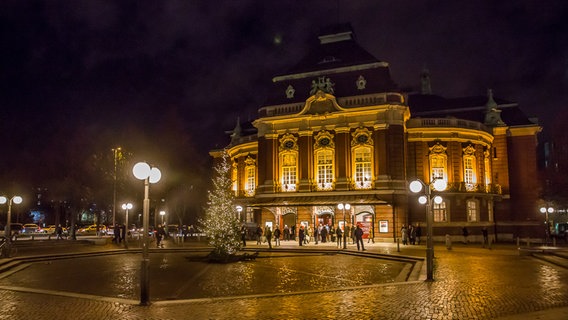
471, 282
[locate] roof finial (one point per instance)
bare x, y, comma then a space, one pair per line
237, 131
492, 114
425, 81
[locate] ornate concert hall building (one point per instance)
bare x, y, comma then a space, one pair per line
336, 129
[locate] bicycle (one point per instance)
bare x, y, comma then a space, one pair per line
4, 251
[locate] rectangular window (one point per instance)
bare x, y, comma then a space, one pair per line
289, 172
468, 168
250, 183
440, 213
472, 210
438, 167
363, 168
324, 169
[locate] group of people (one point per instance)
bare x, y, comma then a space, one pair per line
322, 234
411, 234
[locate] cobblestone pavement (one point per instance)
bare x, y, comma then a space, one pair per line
470, 283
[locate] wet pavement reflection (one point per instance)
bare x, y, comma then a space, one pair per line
186, 276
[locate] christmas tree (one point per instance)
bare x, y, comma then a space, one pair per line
221, 223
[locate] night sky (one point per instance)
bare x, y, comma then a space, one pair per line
165, 79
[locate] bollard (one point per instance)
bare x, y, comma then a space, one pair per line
448, 242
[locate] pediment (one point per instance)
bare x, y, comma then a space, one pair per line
321, 103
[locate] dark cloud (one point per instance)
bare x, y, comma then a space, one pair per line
117, 69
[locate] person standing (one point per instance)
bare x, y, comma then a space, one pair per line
116, 234
258, 234
359, 237
338, 234
244, 235
286, 233
485, 236
277, 236
404, 233
268, 234
160, 232
301, 235
418, 233
411, 234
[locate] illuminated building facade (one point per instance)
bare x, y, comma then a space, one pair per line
337, 129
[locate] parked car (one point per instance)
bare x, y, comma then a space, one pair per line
30, 228
92, 229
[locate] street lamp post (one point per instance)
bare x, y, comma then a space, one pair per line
547, 211
143, 171
344, 207
417, 186
162, 214
239, 210
126, 207
8, 228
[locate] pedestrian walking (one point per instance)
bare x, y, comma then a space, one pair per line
411, 234
59, 232
465, 234
268, 234
277, 236
485, 236
359, 237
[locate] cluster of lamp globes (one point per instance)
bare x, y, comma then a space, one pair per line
143, 171
417, 186
15, 199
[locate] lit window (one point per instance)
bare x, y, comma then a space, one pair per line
438, 162
362, 160
250, 182
472, 210
440, 212
487, 165
289, 169
324, 170
234, 179
469, 172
